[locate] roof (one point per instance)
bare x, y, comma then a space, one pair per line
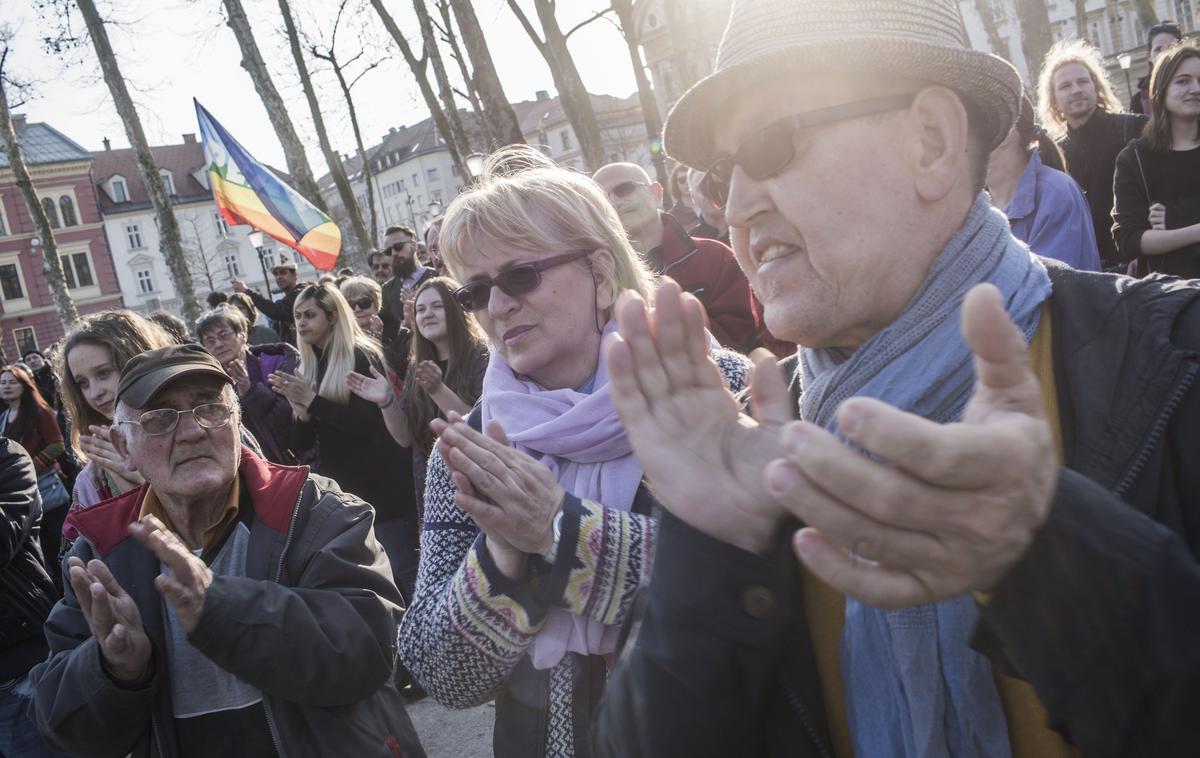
180, 160
41, 144
536, 114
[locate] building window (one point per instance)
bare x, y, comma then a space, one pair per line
168, 182
231, 265
432, 175
145, 281
566, 139
222, 228
133, 233
26, 340
51, 211
416, 180
453, 169
10, 282
3, 231
119, 195
77, 270
68, 211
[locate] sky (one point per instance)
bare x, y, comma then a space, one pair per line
173, 50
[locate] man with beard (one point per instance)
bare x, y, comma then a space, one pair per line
407, 274
704, 267
1080, 111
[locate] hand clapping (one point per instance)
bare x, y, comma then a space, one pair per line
112, 617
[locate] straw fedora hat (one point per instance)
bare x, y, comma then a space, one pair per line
782, 39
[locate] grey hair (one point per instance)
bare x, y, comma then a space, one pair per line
123, 413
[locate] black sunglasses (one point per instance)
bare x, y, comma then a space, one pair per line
363, 304
515, 281
397, 246
769, 150
625, 189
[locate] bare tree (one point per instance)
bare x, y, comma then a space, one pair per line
203, 262
52, 264
328, 53
991, 26
1081, 24
293, 149
419, 68
650, 114
164, 214
1036, 35
453, 120
576, 102
497, 110
332, 159
1145, 13
446, 29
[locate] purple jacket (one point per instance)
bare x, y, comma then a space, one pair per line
267, 413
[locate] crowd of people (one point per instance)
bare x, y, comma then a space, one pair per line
869, 438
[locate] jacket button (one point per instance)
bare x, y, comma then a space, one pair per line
758, 602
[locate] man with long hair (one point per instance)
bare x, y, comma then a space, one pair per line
1081, 111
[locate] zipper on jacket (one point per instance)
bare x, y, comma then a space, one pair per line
1160, 425
802, 712
157, 739
266, 701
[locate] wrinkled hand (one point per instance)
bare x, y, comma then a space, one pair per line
98, 446
238, 285
512, 497
953, 507
371, 324
237, 372
410, 311
375, 388
429, 375
702, 455
187, 585
1158, 216
298, 392
112, 617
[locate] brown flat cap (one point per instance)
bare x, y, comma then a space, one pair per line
146, 374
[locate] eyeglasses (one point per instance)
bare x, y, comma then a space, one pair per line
363, 304
515, 281
163, 420
625, 189
213, 338
769, 150
398, 246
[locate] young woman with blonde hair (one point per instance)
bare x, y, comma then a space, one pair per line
356, 449
538, 529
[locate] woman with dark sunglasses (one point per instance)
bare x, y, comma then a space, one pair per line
538, 529
366, 298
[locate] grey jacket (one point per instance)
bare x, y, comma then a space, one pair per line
312, 625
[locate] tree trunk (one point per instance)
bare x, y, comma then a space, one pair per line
681, 45
650, 115
421, 74
482, 126
1145, 13
1036, 35
576, 102
368, 176
365, 243
453, 120
168, 228
293, 149
1081, 25
987, 15
52, 264
504, 125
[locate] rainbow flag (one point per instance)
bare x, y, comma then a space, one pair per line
248, 192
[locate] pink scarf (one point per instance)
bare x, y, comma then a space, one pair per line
580, 439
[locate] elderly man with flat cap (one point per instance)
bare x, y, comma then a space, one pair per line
981, 537
229, 606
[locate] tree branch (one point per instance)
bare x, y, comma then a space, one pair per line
594, 17
365, 71
538, 42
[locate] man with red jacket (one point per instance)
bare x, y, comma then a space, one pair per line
706, 268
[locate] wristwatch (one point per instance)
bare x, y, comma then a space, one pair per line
556, 528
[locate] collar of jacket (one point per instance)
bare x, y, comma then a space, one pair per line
1093, 126
273, 489
1024, 198
676, 245
1124, 351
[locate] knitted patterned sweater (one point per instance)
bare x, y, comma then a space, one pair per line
467, 631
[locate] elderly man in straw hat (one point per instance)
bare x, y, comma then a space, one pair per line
985, 522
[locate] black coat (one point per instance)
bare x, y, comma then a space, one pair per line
26, 592
281, 312
1101, 614
1145, 177
1091, 153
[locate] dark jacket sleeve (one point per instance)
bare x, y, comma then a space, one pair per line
267, 406
20, 508
1131, 203
728, 302
76, 706
1102, 616
281, 310
330, 638
696, 672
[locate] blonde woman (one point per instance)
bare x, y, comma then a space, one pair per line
356, 449
538, 528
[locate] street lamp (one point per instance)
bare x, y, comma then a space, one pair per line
474, 163
256, 242
1125, 60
